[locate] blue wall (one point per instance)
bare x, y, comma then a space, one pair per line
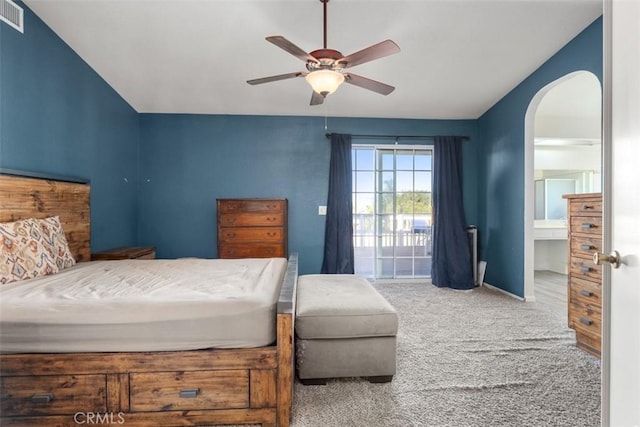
188, 161
501, 161
155, 177
58, 116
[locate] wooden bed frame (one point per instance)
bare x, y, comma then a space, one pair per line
178, 388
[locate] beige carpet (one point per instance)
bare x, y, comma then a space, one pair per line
476, 358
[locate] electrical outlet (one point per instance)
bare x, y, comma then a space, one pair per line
322, 210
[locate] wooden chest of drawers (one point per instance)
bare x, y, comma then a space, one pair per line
585, 277
252, 228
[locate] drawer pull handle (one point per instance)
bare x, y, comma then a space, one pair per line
586, 321
586, 293
585, 268
42, 398
189, 393
271, 218
272, 234
586, 247
587, 225
586, 207
231, 234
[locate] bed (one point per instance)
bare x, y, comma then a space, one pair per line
232, 379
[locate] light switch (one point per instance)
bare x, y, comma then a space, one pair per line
322, 210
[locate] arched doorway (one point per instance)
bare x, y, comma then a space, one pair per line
562, 153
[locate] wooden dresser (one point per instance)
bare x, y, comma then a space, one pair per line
252, 228
585, 277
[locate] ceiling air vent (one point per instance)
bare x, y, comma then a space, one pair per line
12, 14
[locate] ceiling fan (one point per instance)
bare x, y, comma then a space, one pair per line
326, 67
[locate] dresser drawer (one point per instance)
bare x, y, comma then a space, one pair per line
589, 225
586, 207
251, 234
585, 246
251, 219
585, 320
258, 250
251, 205
166, 391
585, 269
585, 294
52, 395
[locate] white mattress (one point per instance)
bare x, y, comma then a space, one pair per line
143, 305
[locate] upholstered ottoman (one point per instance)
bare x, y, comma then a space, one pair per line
344, 328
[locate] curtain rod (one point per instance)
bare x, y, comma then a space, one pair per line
396, 137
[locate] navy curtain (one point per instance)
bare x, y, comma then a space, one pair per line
451, 250
338, 234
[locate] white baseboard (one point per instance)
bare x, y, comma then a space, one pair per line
503, 291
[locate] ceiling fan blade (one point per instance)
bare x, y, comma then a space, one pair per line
278, 77
363, 82
370, 53
316, 98
294, 50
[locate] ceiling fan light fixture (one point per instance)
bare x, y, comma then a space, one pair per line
325, 82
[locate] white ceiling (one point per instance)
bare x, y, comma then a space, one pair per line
458, 57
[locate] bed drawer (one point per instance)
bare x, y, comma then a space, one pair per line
52, 395
166, 391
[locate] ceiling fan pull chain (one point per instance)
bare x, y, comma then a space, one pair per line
325, 118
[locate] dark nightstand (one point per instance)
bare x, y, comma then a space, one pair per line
127, 252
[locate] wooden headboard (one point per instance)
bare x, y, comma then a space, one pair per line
28, 197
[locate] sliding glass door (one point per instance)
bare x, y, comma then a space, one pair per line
392, 211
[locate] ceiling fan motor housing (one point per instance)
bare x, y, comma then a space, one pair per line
327, 59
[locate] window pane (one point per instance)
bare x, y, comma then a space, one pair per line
422, 203
385, 224
385, 268
404, 267
385, 203
404, 181
386, 181
422, 267
364, 182
364, 159
422, 161
364, 203
364, 228
404, 160
404, 203
423, 181
385, 160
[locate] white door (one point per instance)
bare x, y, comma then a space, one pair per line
621, 362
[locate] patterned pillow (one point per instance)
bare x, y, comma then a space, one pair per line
24, 253
53, 233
